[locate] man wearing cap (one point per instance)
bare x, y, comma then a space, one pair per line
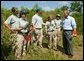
12, 23
69, 26
37, 22
57, 25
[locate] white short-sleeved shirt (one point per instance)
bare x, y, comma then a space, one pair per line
49, 25
13, 21
57, 23
24, 25
37, 21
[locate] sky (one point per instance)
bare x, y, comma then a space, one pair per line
45, 5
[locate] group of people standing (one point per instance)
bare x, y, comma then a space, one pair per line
23, 33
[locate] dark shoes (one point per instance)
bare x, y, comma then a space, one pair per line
40, 46
54, 48
49, 47
70, 56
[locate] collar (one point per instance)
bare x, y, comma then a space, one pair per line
66, 17
38, 14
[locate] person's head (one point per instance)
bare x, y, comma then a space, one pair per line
49, 18
23, 14
58, 16
66, 13
39, 11
14, 10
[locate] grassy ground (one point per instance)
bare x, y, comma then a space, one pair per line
50, 54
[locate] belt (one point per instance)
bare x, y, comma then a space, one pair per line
38, 28
67, 30
13, 32
57, 28
50, 31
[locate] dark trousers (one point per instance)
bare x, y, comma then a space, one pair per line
67, 42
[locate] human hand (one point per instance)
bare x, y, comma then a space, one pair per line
74, 33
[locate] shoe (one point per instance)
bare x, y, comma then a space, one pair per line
24, 54
18, 58
41, 46
55, 49
70, 56
49, 47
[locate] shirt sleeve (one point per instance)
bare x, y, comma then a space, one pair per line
8, 20
61, 23
73, 23
53, 23
46, 25
33, 20
43, 22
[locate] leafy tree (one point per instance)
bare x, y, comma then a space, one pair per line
64, 8
76, 6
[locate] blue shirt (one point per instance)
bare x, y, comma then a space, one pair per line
68, 23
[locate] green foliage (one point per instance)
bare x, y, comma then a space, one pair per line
79, 20
5, 43
50, 54
30, 14
64, 7
76, 6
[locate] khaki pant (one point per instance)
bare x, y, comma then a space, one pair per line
38, 36
50, 35
53, 38
56, 37
17, 44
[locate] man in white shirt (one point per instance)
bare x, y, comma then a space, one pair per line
37, 22
12, 23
